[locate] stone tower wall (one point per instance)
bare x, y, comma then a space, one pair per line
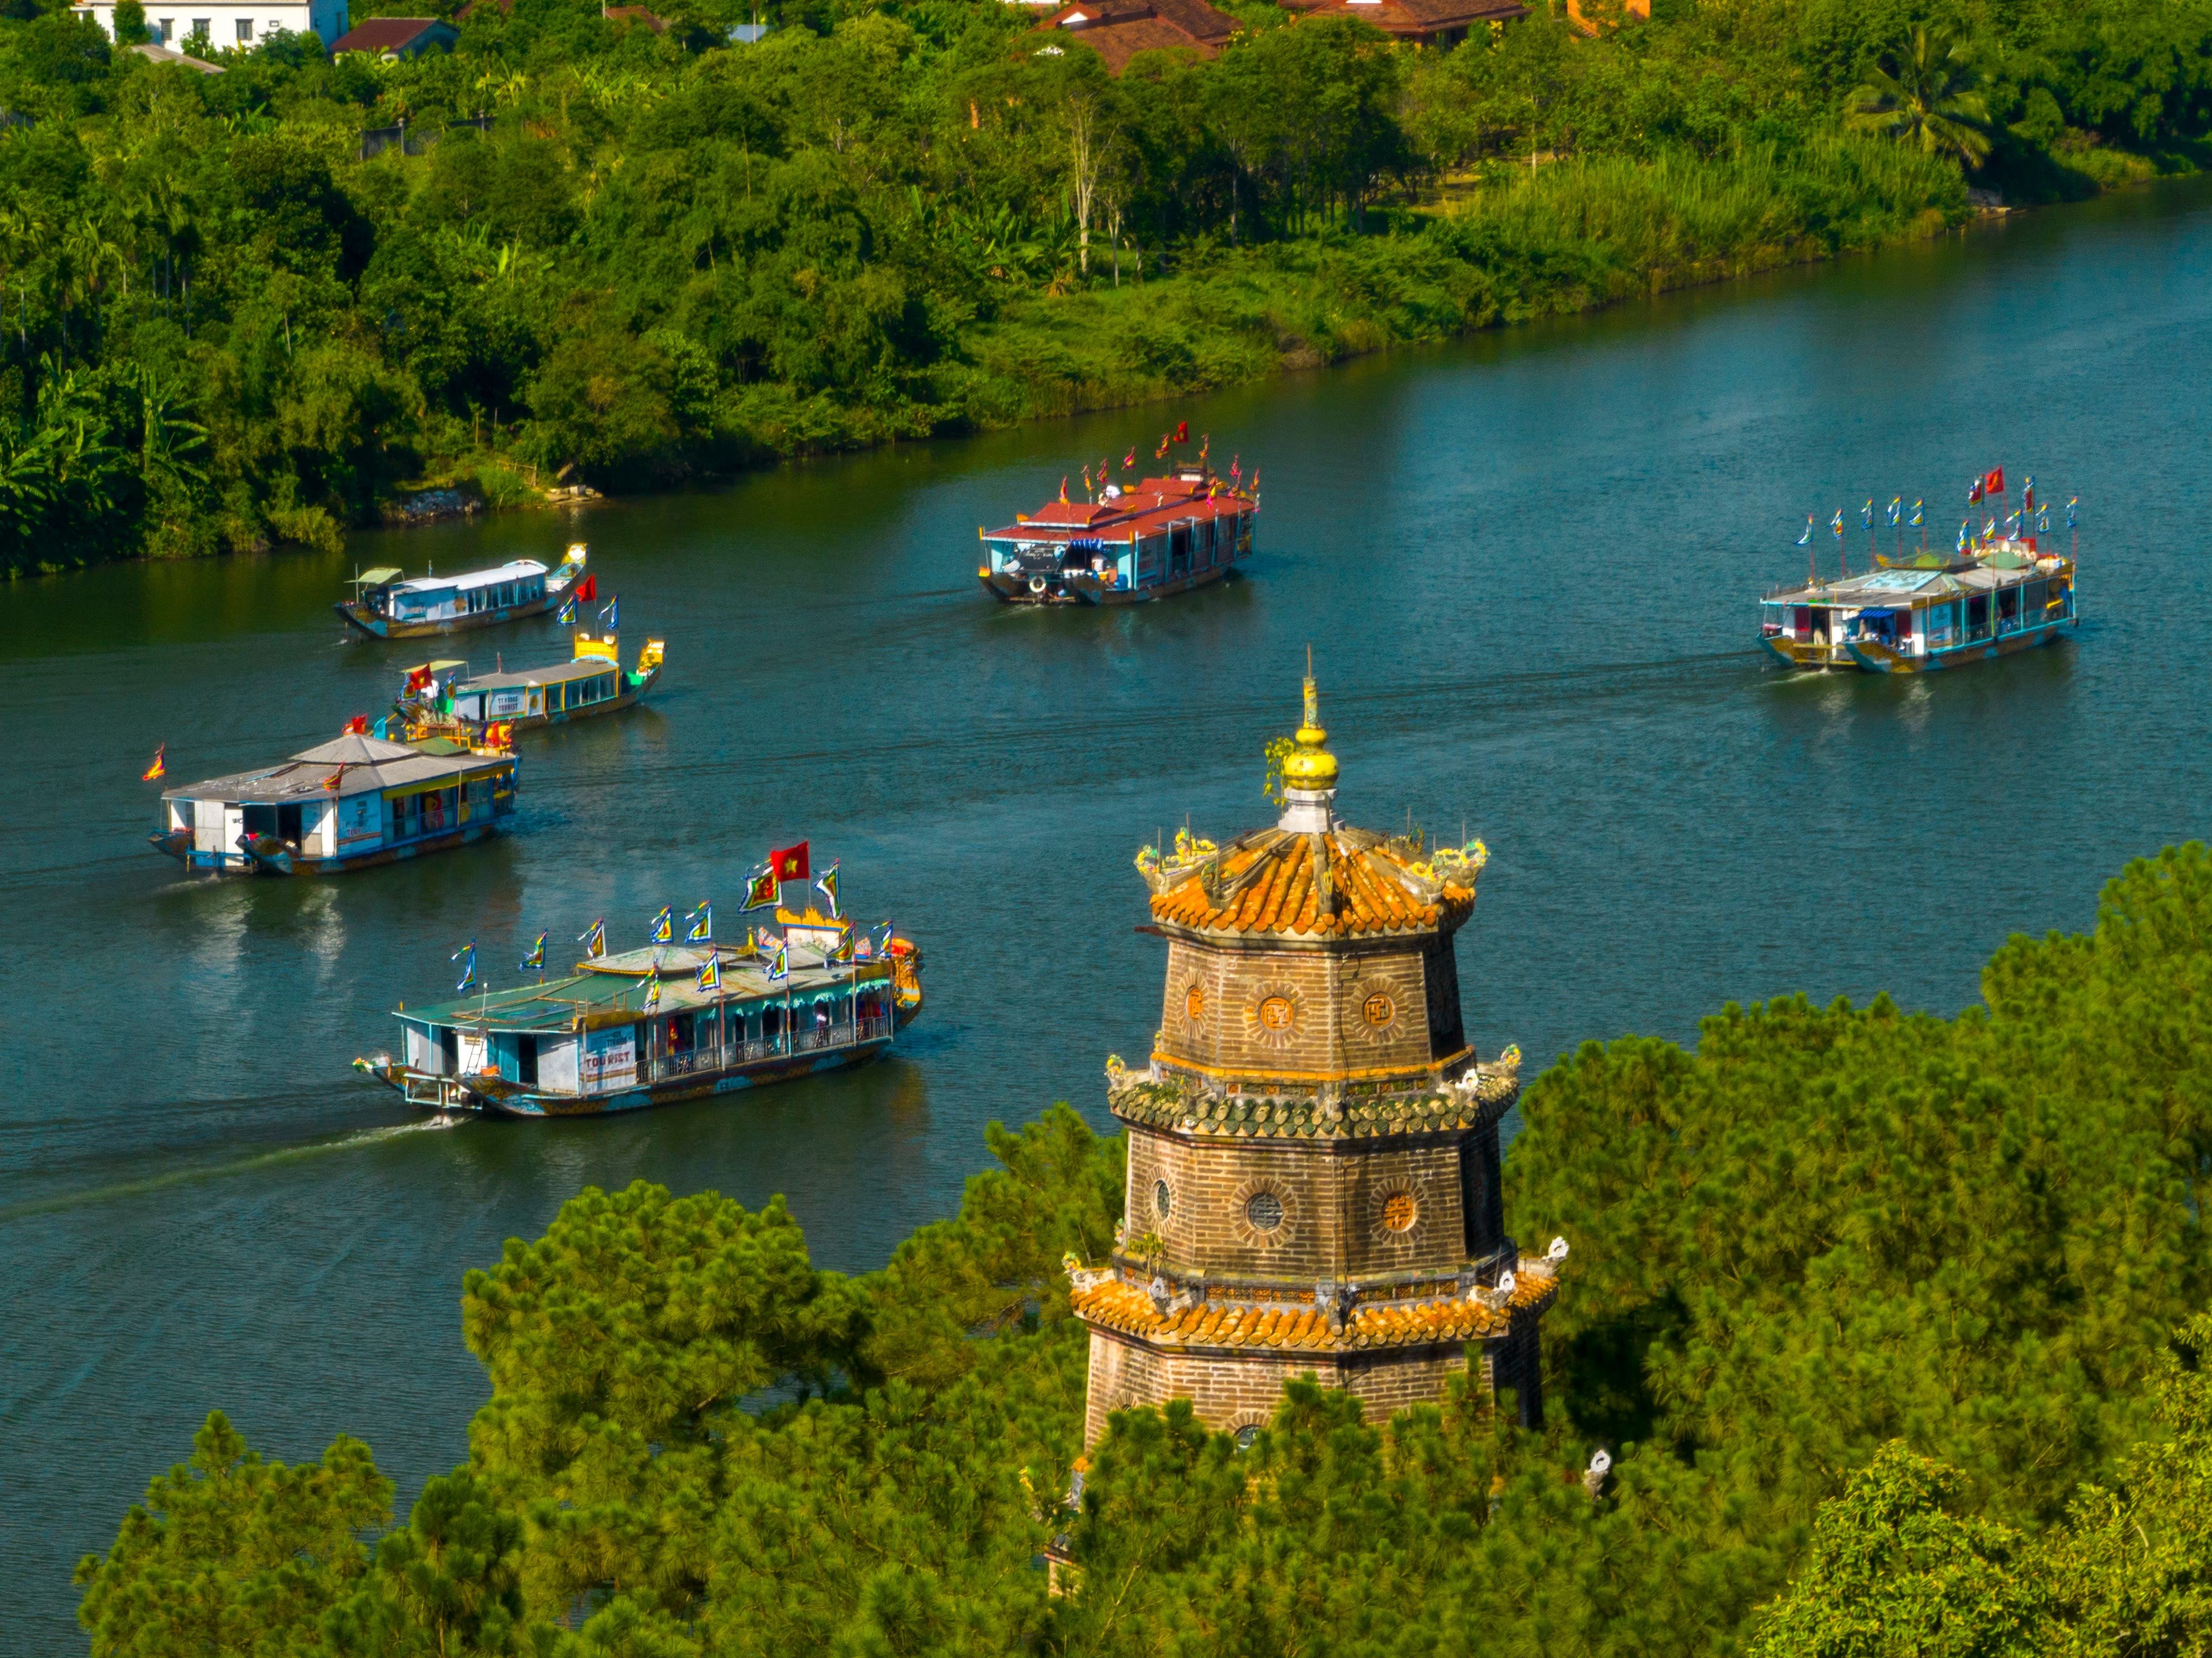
1252, 1013
1229, 1391
1336, 1204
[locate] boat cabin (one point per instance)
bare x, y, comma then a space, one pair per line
340, 805
1933, 612
1163, 535
455, 599
442, 694
586, 1043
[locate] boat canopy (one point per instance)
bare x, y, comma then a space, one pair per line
365, 765
379, 576
611, 989
584, 667
520, 569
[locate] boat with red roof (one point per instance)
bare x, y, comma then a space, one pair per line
1125, 545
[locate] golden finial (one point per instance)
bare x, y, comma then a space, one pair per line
1310, 765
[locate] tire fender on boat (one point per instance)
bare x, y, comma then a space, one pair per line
1036, 585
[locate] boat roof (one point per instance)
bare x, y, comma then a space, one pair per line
584, 667
1899, 586
366, 764
1147, 508
612, 989
516, 570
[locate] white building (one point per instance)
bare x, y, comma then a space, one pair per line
229, 25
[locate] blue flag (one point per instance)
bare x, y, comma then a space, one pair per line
1915, 514
781, 967
535, 961
1837, 525
664, 927
567, 618
1896, 507
2072, 501
1806, 540
1866, 516
594, 939
611, 613
702, 928
466, 955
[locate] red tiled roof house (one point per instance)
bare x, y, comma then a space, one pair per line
1117, 30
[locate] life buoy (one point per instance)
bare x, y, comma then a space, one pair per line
1036, 585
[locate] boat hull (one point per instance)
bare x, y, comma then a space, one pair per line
490, 1096
283, 860
383, 627
1871, 656
1086, 587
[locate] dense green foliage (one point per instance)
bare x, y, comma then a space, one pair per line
632, 258
1893, 1325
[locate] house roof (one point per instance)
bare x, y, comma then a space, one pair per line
1266, 883
390, 33
1418, 18
1117, 30
163, 55
1112, 1304
636, 15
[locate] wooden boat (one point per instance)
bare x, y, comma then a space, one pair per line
1927, 614
342, 805
1165, 535
442, 699
388, 605
601, 1041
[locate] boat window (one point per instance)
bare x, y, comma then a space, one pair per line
449, 1051
525, 1061
771, 1020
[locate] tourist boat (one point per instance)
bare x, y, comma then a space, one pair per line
342, 805
391, 606
1163, 536
646, 1027
441, 699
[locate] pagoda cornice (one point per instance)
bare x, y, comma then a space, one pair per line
1337, 1110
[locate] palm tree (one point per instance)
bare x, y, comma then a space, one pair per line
1923, 90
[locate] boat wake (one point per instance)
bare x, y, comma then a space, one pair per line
358, 1140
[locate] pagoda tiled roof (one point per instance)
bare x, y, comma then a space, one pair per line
1268, 883
1111, 1304
1170, 1104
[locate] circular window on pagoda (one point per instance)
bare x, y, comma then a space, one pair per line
1379, 1010
1194, 1003
1246, 1435
1263, 1211
1399, 1211
1163, 1199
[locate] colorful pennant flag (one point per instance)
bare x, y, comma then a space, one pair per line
664, 927
1806, 540
594, 939
159, 770
1129, 460
611, 613
2072, 503
761, 888
781, 967
710, 972
566, 618
466, 955
1895, 509
1866, 514
1837, 524
652, 987
1915, 514
1974, 492
702, 928
789, 863
1964, 527
535, 961
826, 884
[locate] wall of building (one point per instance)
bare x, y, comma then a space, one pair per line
1347, 1211
1258, 1013
1229, 1391
169, 25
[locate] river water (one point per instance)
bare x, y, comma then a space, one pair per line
1528, 566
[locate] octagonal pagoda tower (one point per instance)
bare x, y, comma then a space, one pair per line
1313, 1178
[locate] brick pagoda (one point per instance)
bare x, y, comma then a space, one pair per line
1313, 1151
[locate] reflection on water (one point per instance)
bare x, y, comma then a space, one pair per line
1528, 565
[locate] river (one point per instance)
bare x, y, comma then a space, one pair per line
1528, 567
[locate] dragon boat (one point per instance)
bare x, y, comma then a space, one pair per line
670, 1022
441, 698
1126, 546
388, 605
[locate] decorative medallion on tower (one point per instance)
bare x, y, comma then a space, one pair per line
1313, 1147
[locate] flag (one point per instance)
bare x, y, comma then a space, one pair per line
1837, 524
594, 939
1895, 509
1915, 514
337, 777
1063, 486
1990, 529
781, 967
1086, 483
159, 770
535, 961
2072, 501
1866, 515
847, 941
1129, 459
1160, 453
1964, 526
789, 863
466, 955
611, 613
2012, 524
1806, 540
1205, 443
826, 884
1993, 482
1183, 431
664, 927
702, 928
653, 986
567, 618
879, 939
761, 890
2027, 493
2043, 519
586, 590
1973, 492
710, 973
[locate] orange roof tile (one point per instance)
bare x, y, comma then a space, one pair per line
1112, 1304
1266, 883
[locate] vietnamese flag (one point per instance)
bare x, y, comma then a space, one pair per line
159, 770
587, 589
1183, 431
1994, 483
788, 863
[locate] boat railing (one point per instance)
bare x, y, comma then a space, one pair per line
437, 1093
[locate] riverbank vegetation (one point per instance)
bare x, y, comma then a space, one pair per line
604, 253
1891, 1324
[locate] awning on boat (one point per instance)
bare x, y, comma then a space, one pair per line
377, 577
